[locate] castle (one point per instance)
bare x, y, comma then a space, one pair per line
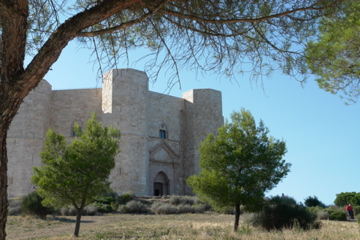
160, 134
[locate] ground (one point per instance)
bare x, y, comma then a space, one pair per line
180, 226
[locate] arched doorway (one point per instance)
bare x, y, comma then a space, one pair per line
161, 184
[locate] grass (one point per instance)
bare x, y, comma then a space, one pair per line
165, 227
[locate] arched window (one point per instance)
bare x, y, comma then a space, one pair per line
162, 131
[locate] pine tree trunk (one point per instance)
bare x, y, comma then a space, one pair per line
78, 221
237, 217
7, 113
3, 182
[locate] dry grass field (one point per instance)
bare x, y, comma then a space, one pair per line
171, 227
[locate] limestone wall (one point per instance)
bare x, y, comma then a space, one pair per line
164, 109
25, 138
70, 106
202, 115
165, 154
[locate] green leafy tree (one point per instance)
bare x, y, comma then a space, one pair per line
239, 165
214, 36
313, 202
334, 57
356, 199
74, 174
344, 198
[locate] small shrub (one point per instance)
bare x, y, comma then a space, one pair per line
125, 198
174, 200
104, 208
107, 202
64, 211
163, 208
329, 210
134, 207
14, 206
250, 218
356, 210
68, 211
200, 208
315, 209
338, 216
185, 208
227, 210
184, 200
90, 210
15, 202
14, 211
358, 218
323, 215
31, 204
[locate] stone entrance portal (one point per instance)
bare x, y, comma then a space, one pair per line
161, 184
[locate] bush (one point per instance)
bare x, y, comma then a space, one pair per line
226, 210
90, 210
358, 218
284, 212
200, 208
134, 207
250, 219
107, 202
31, 204
167, 208
356, 210
103, 207
14, 211
183, 200
338, 216
185, 208
323, 215
163, 208
333, 208
68, 211
14, 206
313, 202
125, 198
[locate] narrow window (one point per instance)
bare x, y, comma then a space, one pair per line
162, 131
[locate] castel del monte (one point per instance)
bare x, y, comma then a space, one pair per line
160, 134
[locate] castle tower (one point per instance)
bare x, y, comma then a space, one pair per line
25, 138
202, 115
124, 105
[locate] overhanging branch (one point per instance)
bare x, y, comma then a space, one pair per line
194, 17
123, 25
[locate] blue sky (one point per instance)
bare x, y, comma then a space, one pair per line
321, 132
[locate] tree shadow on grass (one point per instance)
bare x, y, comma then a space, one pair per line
63, 219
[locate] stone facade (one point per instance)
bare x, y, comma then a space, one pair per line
160, 134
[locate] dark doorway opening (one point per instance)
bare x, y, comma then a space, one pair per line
158, 189
161, 184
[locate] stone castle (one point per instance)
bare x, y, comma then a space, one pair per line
160, 134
